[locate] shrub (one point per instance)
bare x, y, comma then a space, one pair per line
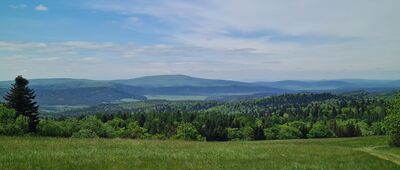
348, 128
133, 130
186, 131
70, 126
282, 132
22, 124
320, 130
271, 133
377, 128
9, 125
94, 124
233, 133
84, 133
50, 128
364, 129
247, 133
392, 128
116, 123
301, 126
7, 122
287, 132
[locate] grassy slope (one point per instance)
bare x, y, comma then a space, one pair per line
52, 153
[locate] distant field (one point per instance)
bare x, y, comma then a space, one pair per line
175, 97
53, 153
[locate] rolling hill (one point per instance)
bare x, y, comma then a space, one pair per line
62, 91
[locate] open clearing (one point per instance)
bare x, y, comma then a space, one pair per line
58, 153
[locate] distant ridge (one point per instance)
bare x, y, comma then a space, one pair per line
60, 91
177, 80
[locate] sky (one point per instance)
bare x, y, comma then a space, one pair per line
247, 40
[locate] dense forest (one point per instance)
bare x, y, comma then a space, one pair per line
288, 116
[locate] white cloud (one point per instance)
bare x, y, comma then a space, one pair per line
41, 7
201, 41
105, 60
355, 19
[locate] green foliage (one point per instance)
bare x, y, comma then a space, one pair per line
377, 128
234, 133
278, 117
287, 132
22, 123
365, 129
53, 128
245, 133
93, 124
186, 131
300, 126
348, 128
392, 128
271, 133
282, 132
320, 130
133, 130
392, 123
10, 125
6, 115
21, 99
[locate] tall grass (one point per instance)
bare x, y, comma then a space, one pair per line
58, 153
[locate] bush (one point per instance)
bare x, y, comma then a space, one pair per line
392, 128
282, 132
365, 129
94, 124
117, 123
84, 133
70, 126
51, 128
392, 123
377, 128
271, 133
301, 126
247, 133
234, 134
287, 132
133, 130
9, 125
348, 128
186, 131
320, 130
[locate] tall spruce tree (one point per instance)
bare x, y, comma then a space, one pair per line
21, 99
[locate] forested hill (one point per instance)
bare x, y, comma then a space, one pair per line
295, 106
63, 91
288, 116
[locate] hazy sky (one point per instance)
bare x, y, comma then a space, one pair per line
229, 39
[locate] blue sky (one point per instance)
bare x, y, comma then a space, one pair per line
229, 39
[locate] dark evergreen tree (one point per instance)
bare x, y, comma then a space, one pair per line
21, 99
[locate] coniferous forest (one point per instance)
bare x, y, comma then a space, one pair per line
288, 116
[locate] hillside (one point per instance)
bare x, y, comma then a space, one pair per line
59, 153
62, 91
177, 81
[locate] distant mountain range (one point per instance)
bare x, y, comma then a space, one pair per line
60, 91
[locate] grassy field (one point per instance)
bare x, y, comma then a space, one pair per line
53, 153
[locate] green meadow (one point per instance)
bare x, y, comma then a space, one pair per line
68, 153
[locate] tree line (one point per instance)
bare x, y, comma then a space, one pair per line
289, 116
